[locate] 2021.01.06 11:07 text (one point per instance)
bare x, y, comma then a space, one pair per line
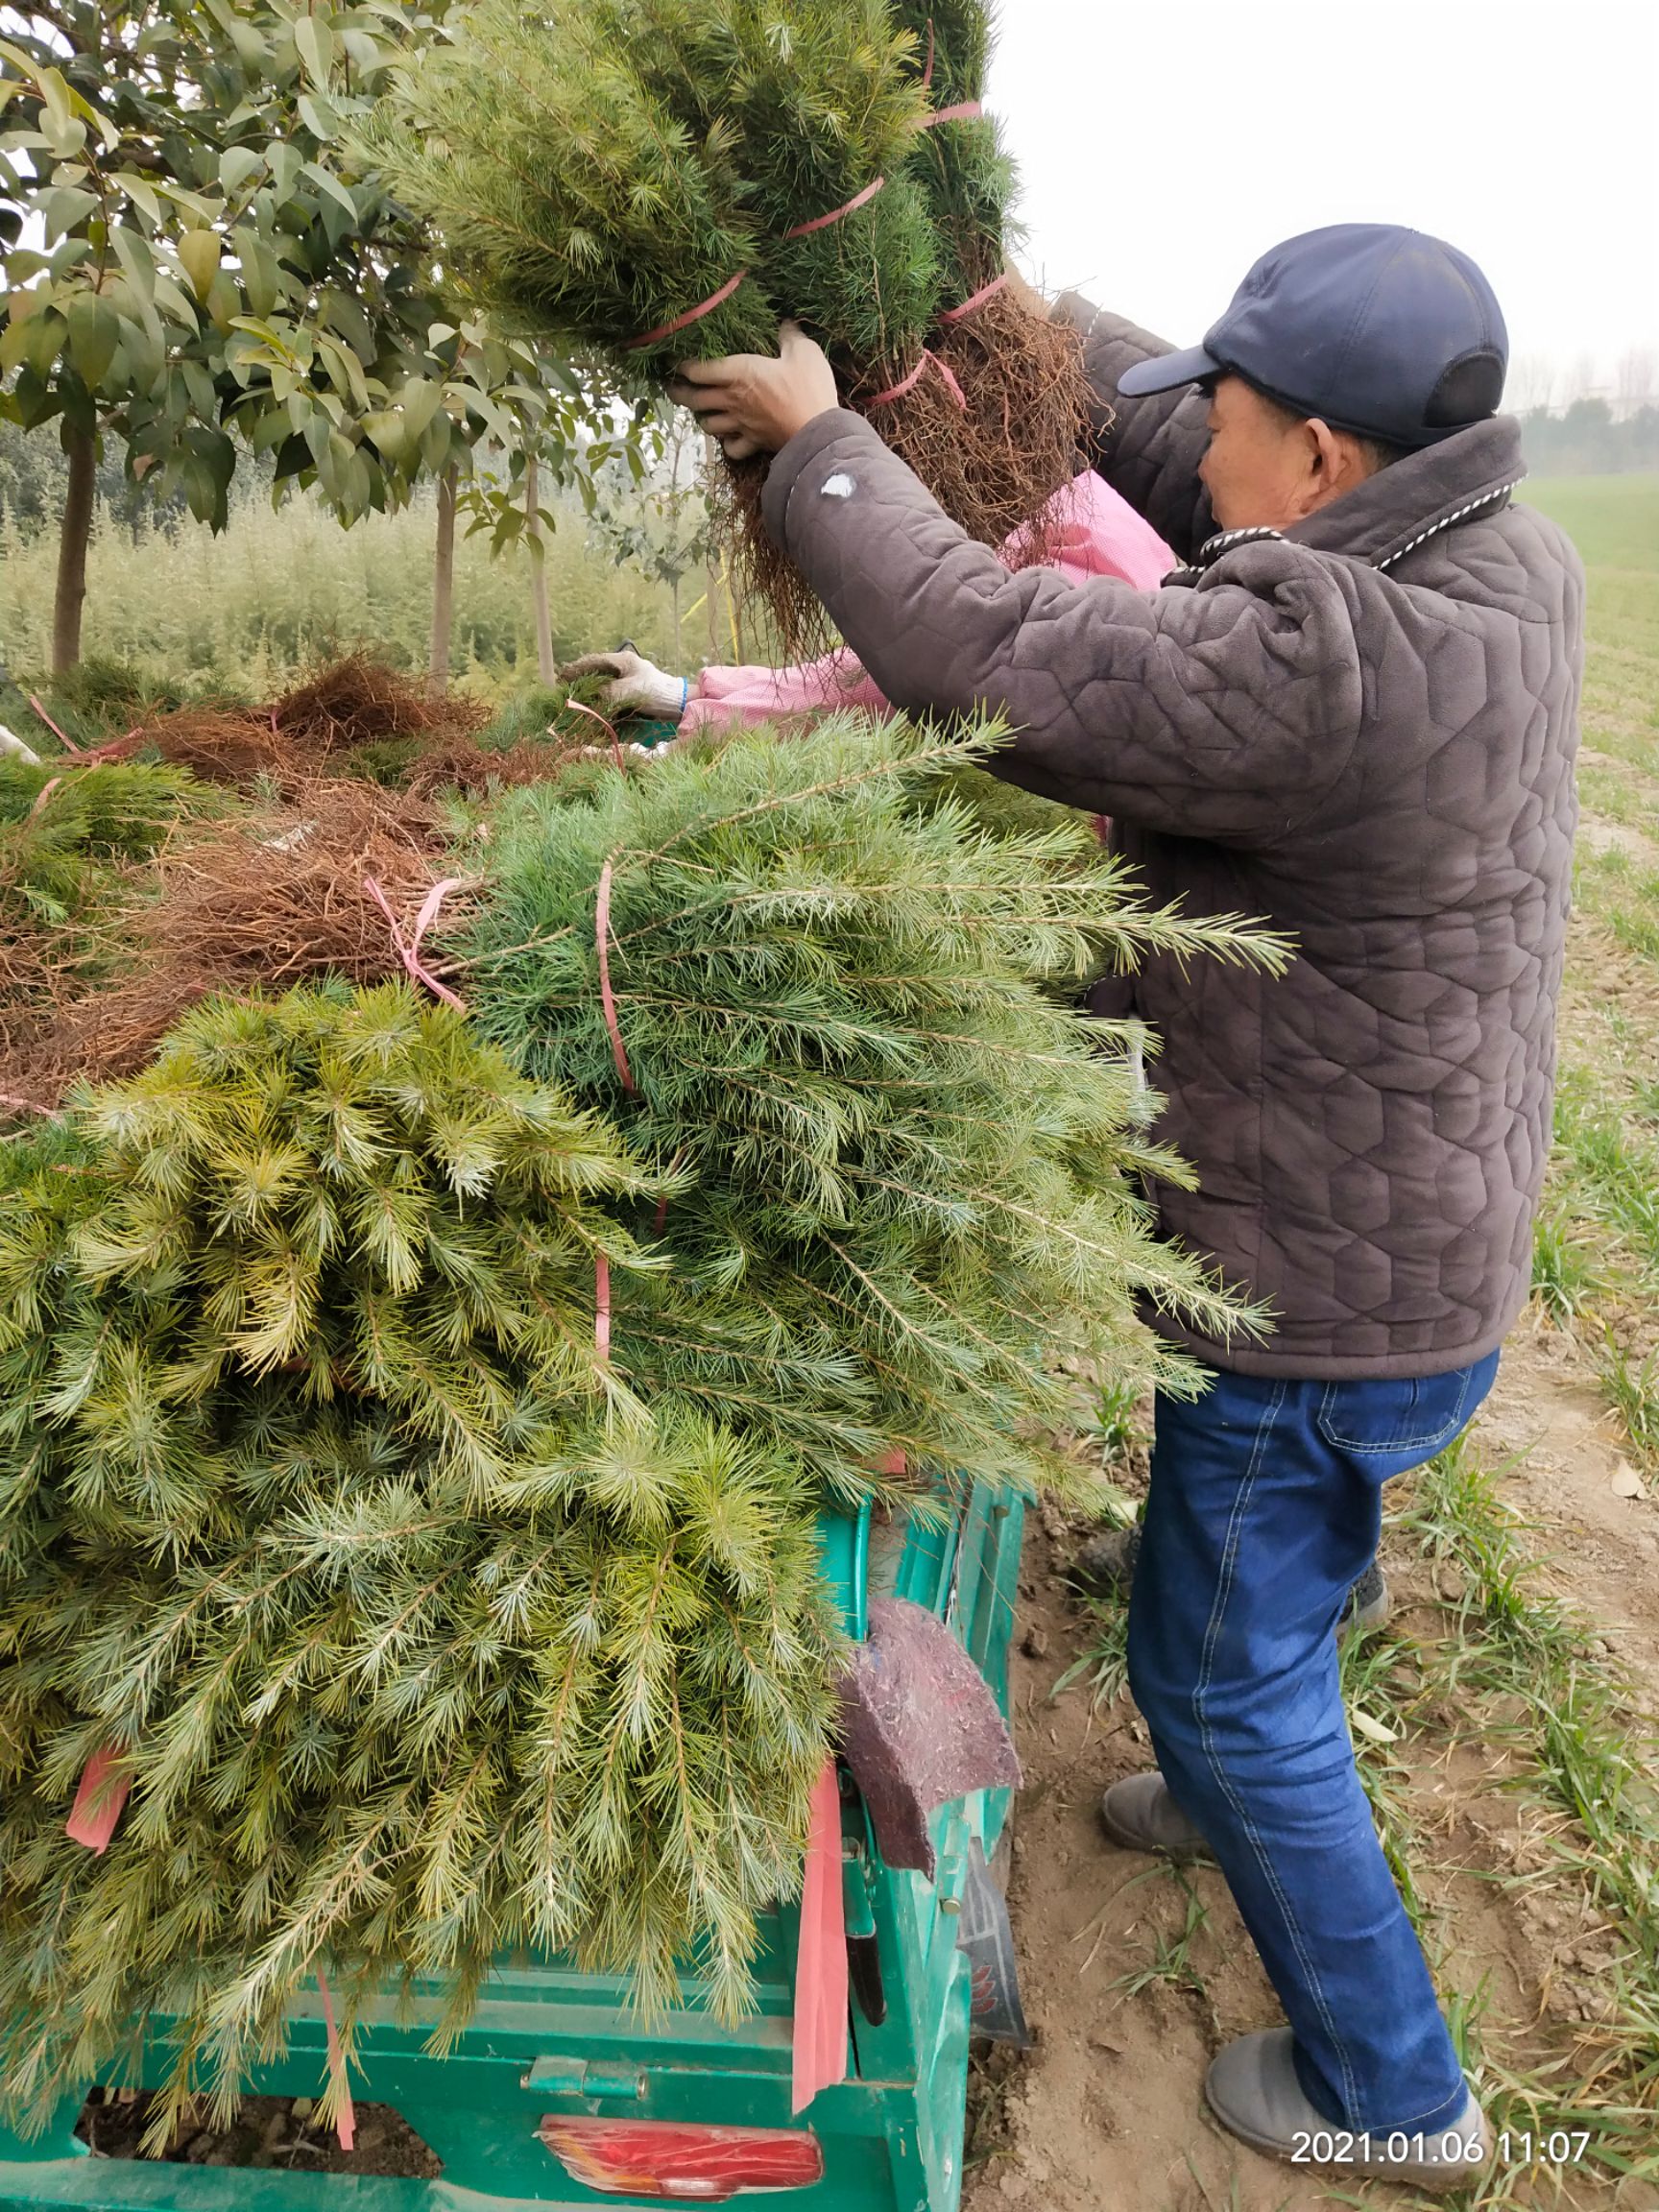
1562, 2146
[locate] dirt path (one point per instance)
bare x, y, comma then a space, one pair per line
1105, 2116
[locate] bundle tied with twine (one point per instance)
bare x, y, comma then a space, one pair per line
384, 1624
648, 179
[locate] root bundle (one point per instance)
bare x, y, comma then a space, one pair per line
259, 903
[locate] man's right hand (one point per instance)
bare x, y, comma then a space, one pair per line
637, 686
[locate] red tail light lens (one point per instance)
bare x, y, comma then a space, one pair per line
682, 2165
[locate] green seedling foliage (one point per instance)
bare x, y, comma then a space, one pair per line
423, 1630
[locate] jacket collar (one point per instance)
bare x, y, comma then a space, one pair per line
1391, 514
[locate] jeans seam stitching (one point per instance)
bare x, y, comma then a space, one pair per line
1206, 1735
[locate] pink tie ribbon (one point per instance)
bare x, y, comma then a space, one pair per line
820, 2035
691, 314
963, 111
823, 221
975, 299
98, 1801
606, 997
909, 383
346, 2127
408, 949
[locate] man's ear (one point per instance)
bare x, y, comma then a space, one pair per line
1332, 464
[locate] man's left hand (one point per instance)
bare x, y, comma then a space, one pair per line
755, 404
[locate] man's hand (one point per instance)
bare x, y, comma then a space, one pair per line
639, 686
754, 404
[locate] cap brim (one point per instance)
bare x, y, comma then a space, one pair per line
1169, 370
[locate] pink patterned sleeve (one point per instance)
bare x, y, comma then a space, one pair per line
1098, 535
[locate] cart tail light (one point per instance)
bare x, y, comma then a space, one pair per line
682, 2165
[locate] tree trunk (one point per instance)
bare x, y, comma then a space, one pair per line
82, 447
545, 666
674, 599
442, 588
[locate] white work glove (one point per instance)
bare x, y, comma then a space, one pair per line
639, 686
11, 742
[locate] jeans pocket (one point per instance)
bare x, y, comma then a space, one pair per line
1384, 1419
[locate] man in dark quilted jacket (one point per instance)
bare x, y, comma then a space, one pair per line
1354, 714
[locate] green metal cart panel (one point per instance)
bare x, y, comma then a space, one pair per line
546, 2039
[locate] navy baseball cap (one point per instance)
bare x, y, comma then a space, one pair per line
1372, 327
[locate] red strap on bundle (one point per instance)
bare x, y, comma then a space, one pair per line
975, 299
691, 314
88, 755
823, 221
963, 111
98, 1801
408, 949
346, 2127
607, 998
820, 2033
909, 383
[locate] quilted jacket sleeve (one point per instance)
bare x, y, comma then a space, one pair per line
1148, 450
1223, 710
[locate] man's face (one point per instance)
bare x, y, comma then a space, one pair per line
1261, 469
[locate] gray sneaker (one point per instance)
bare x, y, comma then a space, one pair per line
1253, 2090
1139, 1815
1105, 1567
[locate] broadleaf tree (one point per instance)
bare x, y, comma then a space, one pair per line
200, 262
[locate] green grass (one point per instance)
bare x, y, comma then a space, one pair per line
280, 589
1596, 1263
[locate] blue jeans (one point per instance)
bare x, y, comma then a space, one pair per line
1265, 1507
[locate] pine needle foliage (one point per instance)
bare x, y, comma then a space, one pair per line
908, 1174
580, 187
961, 167
60, 829
421, 1638
600, 167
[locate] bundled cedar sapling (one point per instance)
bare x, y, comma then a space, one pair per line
1020, 375
825, 111
909, 1173
417, 1635
656, 179
577, 197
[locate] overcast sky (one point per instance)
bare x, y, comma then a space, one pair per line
1165, 143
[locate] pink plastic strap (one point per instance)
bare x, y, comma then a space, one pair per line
975, 299
575, 706
86, 755
408, 949
691, 314
42, 795
892, 1462
601, 937
909, 383
820, 2041
602, 1304
98, 1801
823, 221
346, 2127
77, 752
963, 111
928, 73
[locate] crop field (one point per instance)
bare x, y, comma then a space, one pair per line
1504, 1719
